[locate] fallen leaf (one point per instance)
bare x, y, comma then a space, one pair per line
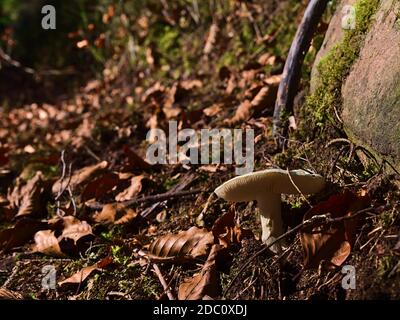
213, 110
80, 177
84, 273
30, 199
6, 294
47, 243
186, 245
228, 232
332, 243
265, 98
98, 188
115, 214
67, 236
133, 190
211, 39
134, 161
206, 283
22, 232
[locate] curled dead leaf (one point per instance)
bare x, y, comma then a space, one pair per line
185, 245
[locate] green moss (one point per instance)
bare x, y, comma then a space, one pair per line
335, 67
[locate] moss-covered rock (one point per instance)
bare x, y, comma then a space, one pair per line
356, 77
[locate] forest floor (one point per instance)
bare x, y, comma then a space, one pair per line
69, 162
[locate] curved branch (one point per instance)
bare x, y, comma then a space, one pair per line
292, 70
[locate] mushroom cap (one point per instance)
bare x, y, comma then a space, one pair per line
254, 185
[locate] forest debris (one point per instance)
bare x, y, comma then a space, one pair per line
99, 187
84, 273
211, 39
132, 191
80, 177
30, 199
228, 232
6, 294
115, 214
206, 283
22, 232
332, 243
185, 245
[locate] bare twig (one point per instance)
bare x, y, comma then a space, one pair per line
163, 282
52, 72
153, 198
297, 188
313, 221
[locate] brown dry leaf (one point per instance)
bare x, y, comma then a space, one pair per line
80, 177
30, 199
213, 110
267, 59
265, 98
6, 294
98, 188
228, 232
206, 283
67, 236
186, 245
22, 232
190, 84
211, 39
332, 243
133, 190
135, 162
47, 243
84, 273
243, 113
115, 214
75, 229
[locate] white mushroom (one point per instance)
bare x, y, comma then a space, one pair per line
266, 187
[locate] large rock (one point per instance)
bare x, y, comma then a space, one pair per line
371, 92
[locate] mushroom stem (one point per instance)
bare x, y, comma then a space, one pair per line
271, 219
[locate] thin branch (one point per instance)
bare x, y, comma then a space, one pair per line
297, 188
163, 282
153, 198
